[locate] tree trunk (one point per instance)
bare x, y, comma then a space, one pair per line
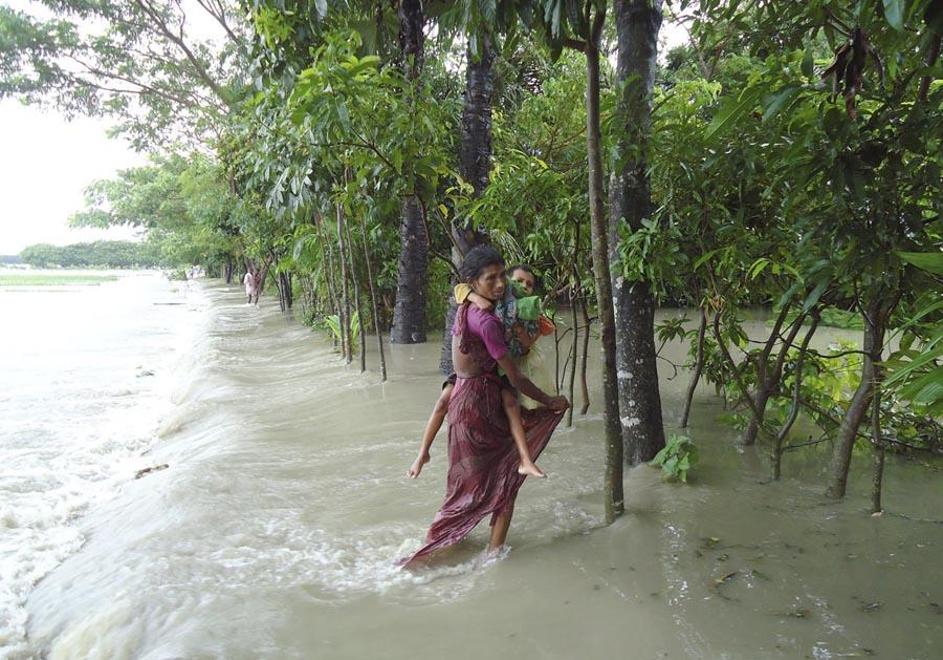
474, 164
613, 492
342, 256
327, 255
764, 385
230, 267
409, 313
637, 25
874, 320
796, 391
574, 352
556, 359
353, 278
877, 442
373, 300
584, 358
698, 368
284, 291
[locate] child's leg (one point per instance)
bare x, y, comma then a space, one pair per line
432, 428
512, 409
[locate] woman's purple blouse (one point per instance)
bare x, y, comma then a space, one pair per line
487, 326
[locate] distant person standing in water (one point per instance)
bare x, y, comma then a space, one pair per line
253, 284
483, 477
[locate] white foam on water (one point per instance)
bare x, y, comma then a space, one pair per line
87, 371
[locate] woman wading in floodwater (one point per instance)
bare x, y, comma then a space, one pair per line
483, 461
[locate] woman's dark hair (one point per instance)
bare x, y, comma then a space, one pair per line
527, 269
479, 258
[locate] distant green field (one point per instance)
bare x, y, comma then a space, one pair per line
51, 279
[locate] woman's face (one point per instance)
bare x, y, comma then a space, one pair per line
525, 279
490, 282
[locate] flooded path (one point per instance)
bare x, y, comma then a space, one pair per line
273, 531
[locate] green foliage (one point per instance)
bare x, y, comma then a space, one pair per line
677, 457
333, 324
182, 202
27, 278
98, 254
137, 62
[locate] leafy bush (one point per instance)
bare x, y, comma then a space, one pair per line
677, 457
333, 324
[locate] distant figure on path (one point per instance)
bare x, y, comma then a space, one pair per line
483, 477
253, 284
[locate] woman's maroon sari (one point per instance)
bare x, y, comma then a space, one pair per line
483, 460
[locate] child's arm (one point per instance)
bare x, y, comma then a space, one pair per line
432, 428
464, 292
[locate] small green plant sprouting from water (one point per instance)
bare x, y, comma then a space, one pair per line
677, 457
333, 323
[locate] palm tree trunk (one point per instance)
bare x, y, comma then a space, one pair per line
474, 165
409, 312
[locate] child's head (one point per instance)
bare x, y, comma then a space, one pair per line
525, 276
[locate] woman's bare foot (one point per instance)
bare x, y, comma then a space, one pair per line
531, 470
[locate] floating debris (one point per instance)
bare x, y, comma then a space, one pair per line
727, 578
148, 470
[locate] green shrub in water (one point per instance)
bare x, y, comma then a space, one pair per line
677, 457
333, 323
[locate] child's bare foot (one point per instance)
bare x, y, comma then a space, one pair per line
530, 469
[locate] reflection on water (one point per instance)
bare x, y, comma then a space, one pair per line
272, 533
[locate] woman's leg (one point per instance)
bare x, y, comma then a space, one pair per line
499, 530
512, 409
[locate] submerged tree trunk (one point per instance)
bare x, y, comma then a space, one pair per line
342, 249
613, 491
698, 368
796, 392
637, 25
373, 301
327, 256
766, 382
285, 300
574, 352
584, 358
230, 267
409, 313
474, 165
875, 318
877, 442
357, 306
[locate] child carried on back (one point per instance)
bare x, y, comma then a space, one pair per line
524, 323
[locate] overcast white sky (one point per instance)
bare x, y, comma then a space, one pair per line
46, 163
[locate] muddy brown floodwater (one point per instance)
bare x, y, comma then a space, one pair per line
273, 531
